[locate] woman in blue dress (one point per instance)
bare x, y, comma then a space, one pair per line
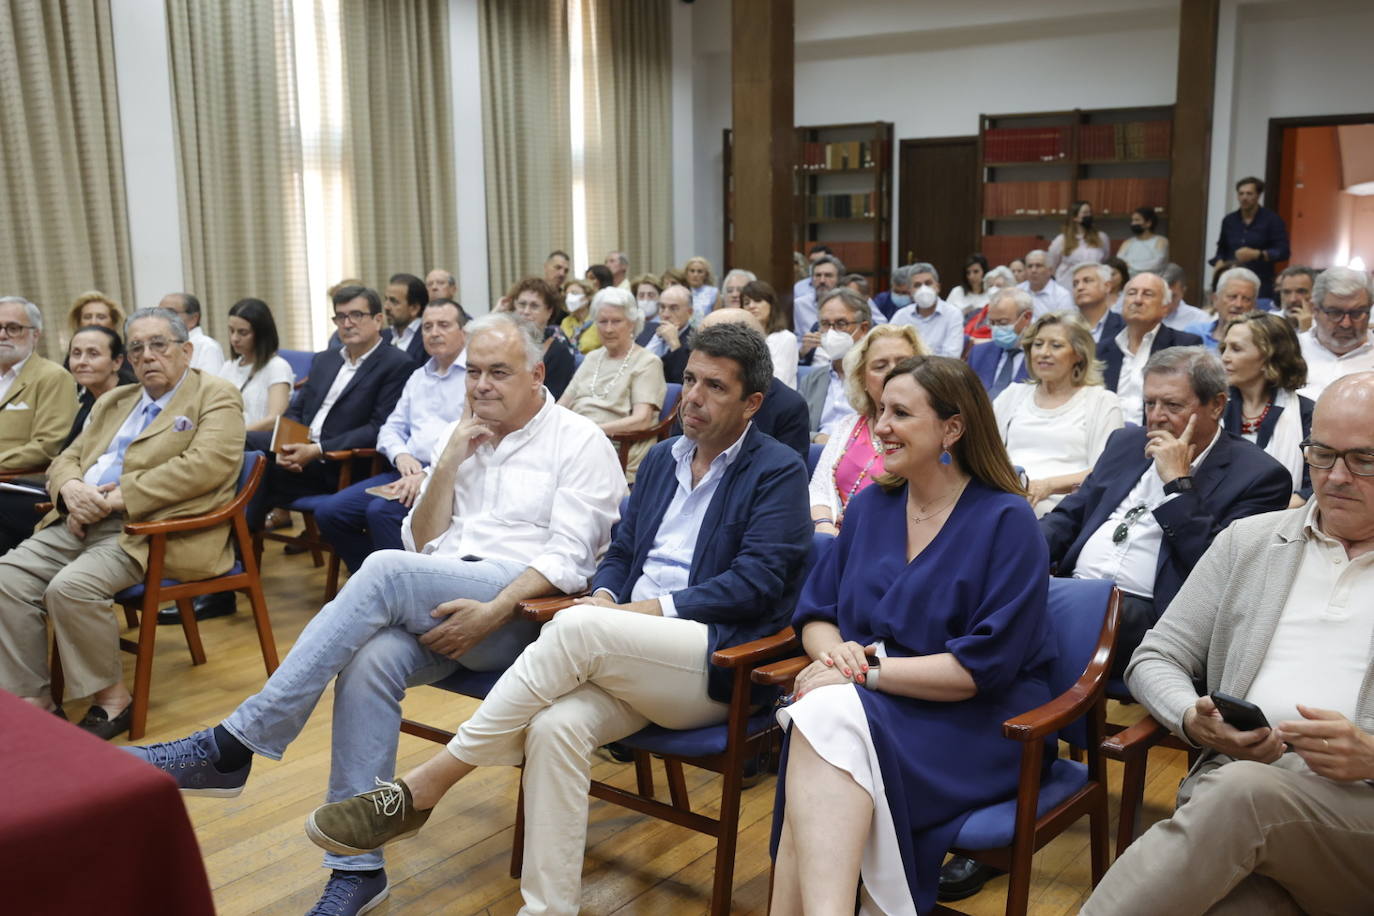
927, 624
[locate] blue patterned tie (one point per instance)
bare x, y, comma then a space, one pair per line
122, 444
1003, 375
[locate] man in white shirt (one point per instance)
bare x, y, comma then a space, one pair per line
826, 270
519, 504
1339, 341
1181, 314
207, 355
803, 286
940, 324
1276, 819
441, 284
1049, 296
1125, 355
845, 319
618, 263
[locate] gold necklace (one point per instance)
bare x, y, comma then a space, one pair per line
943, 503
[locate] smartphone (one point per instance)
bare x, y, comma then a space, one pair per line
1239, 714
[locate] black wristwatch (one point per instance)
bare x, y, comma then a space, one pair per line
1179, 485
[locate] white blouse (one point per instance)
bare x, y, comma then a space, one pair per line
782, 346
254, 386
967, 302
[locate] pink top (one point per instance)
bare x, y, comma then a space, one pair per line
859, 464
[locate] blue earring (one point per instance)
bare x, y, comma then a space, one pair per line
945, 458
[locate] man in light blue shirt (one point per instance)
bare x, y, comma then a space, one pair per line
940, 324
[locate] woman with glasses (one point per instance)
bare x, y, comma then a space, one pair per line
262, 376
1264, 370
536, 301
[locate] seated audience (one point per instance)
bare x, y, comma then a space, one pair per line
1049, 296
673, 277
347, 397
94, 308
357, 523
208, 355
440, 284
618, 263
1277, 819
672, 338
169, 447
701, 281
405, 299
976, 328
1080, 242
1264, 370
926, 622
1055, 427
853, 458
940, 324
896, 296
1144, 251
96, 360
474, 549
1093, 298
971, 296
537, 302
1116, 283
600, 277
1294, 289
803, 285
1158, 494
708, 556
1125, 355
1339, 341
1236, 293
647, 289
997, 366
845, 319
579, 326
826, 271
859, 284
1017, 266
263, 378
731, 287
557, 266
619, 386
759, 299
1181, 315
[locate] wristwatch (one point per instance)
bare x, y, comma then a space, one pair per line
871, 675
1179, 485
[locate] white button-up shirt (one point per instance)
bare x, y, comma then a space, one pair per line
545, 496
349, 369
1132, 564
668, 565
7, 379
206, 353
402, 338
1183, 316
942, 330
1130, 384
1053, 298
1324, 367
431, 401
837, 405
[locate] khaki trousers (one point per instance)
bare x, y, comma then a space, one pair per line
1252, 839
593, 676
57, 577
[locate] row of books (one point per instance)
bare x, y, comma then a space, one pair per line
857, 257
1119, 196
1026, 198
842, 206
1027, 144
1125, 142
1003, 249
846, 154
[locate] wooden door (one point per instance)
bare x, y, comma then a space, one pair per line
937, 202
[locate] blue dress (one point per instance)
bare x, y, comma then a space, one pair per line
979, 591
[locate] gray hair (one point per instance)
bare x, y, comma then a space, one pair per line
1174, 274
1104, 273
1168, 293
901, 276
829, 259
622, 299
1297, 270
1025, 303
1001, 272
1242, 274
851, 300
1034, 251
921, 267
1202, 367
621, 258
748, 276
531, 335
1343, 281
31, 311
179, 332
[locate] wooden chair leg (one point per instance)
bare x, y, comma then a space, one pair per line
57, 684
1132, 792
130, 618
312, 532
517, 851
1098, 829
192, 630
723, 887
331, 579
644, 774
143, 665
266, 641
677, 784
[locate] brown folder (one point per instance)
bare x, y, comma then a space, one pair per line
288, 432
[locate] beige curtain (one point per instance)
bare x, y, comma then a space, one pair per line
63, 224
525, 121
627, 118
398, 142
240, 162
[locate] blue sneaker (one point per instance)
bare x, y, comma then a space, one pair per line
191, 762
350, 893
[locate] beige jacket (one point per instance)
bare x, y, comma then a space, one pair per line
36, 415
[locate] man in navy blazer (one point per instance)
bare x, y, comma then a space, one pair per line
1003, 362
348, 396
1158, 496
1124, 356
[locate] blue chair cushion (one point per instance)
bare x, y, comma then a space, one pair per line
135, 592
692, 742
469, 683
992, 827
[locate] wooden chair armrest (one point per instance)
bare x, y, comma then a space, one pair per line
1052, 716
657, 431
23, 472
541, 610
343, 454
780, 674
750, 654
1136, 740
42, 508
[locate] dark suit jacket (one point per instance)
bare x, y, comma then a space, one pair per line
675, 362
983, 361
782, 416
415, 349
365, 403
1113, 325
749, 555
1237, 479
1111, 354
646, 335
1231, 420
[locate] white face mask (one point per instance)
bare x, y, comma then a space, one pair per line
649, 307
925, 296
574, 301
834, 345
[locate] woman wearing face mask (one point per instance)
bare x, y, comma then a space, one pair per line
1144, 252
977, 329
759, 299
973, 295
1078, 243
579, 327
647, 288
1056, 424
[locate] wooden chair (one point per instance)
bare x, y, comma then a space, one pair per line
658, 432
146, 597
1007, 835
25, 472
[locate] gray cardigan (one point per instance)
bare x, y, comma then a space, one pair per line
1217, 629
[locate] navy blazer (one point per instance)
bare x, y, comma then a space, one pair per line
1231, 420
675, 362
364, 404
415, 349
1237, 480
983, 360
783, 416
1112, 357
1112, 325
747, 563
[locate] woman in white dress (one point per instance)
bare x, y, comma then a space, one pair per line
1144, 251
701, 281
973, 294
1079, 243
760, 300
263, 378
1056, 424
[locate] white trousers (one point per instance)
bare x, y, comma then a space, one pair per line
595, 675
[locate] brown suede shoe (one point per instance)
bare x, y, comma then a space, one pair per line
365, 822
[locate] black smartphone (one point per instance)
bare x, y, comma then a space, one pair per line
1239, 714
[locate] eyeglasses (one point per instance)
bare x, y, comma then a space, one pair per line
1122, 529
843, 324
158, 345
14, 330
1339, 315
342, 318
1359, 461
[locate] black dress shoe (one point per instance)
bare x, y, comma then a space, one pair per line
99, 723
961, 877
206, 607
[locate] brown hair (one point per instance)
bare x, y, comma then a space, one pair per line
954, 389
1277, 342
1092, 237
553, 299
779, 318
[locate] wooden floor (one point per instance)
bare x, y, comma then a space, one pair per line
260, 861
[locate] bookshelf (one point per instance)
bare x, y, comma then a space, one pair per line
1034, 165
843, 196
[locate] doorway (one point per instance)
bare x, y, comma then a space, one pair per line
1320, 180
937, 214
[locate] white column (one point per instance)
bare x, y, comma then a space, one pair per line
684, 138
469, 164
1220, 195
144, 76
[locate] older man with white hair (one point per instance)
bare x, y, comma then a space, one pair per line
1237, 293
1049, 296
1125, 355
731, 287
1339, 341
618, 263
997, 366
440, 284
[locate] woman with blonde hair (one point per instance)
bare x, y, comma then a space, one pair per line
1056, 423
1078, 243
95, 308
853, 457
701, 281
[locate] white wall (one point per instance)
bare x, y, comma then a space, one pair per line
469, 162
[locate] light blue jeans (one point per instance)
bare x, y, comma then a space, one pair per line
367, 638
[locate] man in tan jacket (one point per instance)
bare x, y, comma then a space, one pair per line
168, 448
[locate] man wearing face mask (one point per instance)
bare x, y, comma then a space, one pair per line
844, 319
940, 324
1009, 314
888, 302
826, 271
